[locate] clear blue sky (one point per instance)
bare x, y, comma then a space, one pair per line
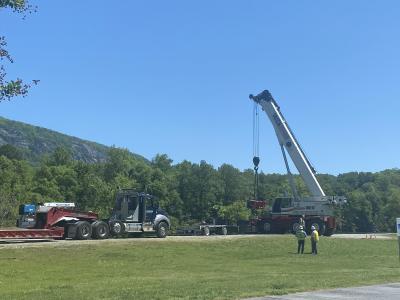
174, 77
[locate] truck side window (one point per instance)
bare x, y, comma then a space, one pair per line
132, 203
118, 203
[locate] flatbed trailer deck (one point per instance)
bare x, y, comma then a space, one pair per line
55, 233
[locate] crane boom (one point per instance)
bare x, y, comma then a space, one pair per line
287, 140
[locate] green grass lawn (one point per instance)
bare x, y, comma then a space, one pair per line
197, 269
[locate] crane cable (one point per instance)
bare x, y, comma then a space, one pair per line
256, 146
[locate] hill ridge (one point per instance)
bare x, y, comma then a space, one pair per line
36, 141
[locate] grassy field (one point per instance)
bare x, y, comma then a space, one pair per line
196, 269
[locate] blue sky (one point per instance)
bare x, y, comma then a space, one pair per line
174, 77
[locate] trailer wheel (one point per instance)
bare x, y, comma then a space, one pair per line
206, 231
100, 230
267, 227
162, 230
117, 228
83, 230
224, 231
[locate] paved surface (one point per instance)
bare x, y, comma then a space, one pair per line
376, 292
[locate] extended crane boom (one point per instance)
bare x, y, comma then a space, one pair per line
287, 140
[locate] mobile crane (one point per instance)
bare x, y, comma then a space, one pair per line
317, 208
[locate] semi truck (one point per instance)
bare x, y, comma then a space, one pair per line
133, 212
283, 214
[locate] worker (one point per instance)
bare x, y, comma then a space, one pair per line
302, 221
301, 236
314, 240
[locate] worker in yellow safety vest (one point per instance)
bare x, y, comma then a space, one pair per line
314, 240
301, 236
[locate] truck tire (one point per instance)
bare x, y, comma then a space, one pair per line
117, 228
100, 230
83, 230
162, 230
224, 231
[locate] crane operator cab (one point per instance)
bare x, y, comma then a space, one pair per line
138, 212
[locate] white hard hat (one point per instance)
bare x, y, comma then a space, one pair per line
313, 227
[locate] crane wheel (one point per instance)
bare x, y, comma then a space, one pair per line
117, 228
83, 230
329, 232
294, 227
162, 230
100, 230
319, 226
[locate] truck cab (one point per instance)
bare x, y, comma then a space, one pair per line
138, 212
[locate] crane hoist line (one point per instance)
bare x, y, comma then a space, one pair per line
317, 208
256, 148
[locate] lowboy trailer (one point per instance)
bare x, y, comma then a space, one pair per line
133, 213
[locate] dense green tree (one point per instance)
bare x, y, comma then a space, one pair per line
15, 87
11, 152
188, 192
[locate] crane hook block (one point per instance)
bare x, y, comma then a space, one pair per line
256, 161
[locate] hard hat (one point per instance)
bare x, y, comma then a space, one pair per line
313, 227
300, 227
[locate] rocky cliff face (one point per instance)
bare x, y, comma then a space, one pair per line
36, 141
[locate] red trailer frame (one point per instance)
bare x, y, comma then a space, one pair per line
49, 224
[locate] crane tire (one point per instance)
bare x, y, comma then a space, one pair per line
294, 227
319, 226
329, 232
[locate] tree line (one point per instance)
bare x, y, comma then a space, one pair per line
189, 192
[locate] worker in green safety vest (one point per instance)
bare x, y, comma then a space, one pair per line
301, 236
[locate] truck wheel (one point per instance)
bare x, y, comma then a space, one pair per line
206, 231
117, 228
162, 230
100, 230
83, 230
224, 231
